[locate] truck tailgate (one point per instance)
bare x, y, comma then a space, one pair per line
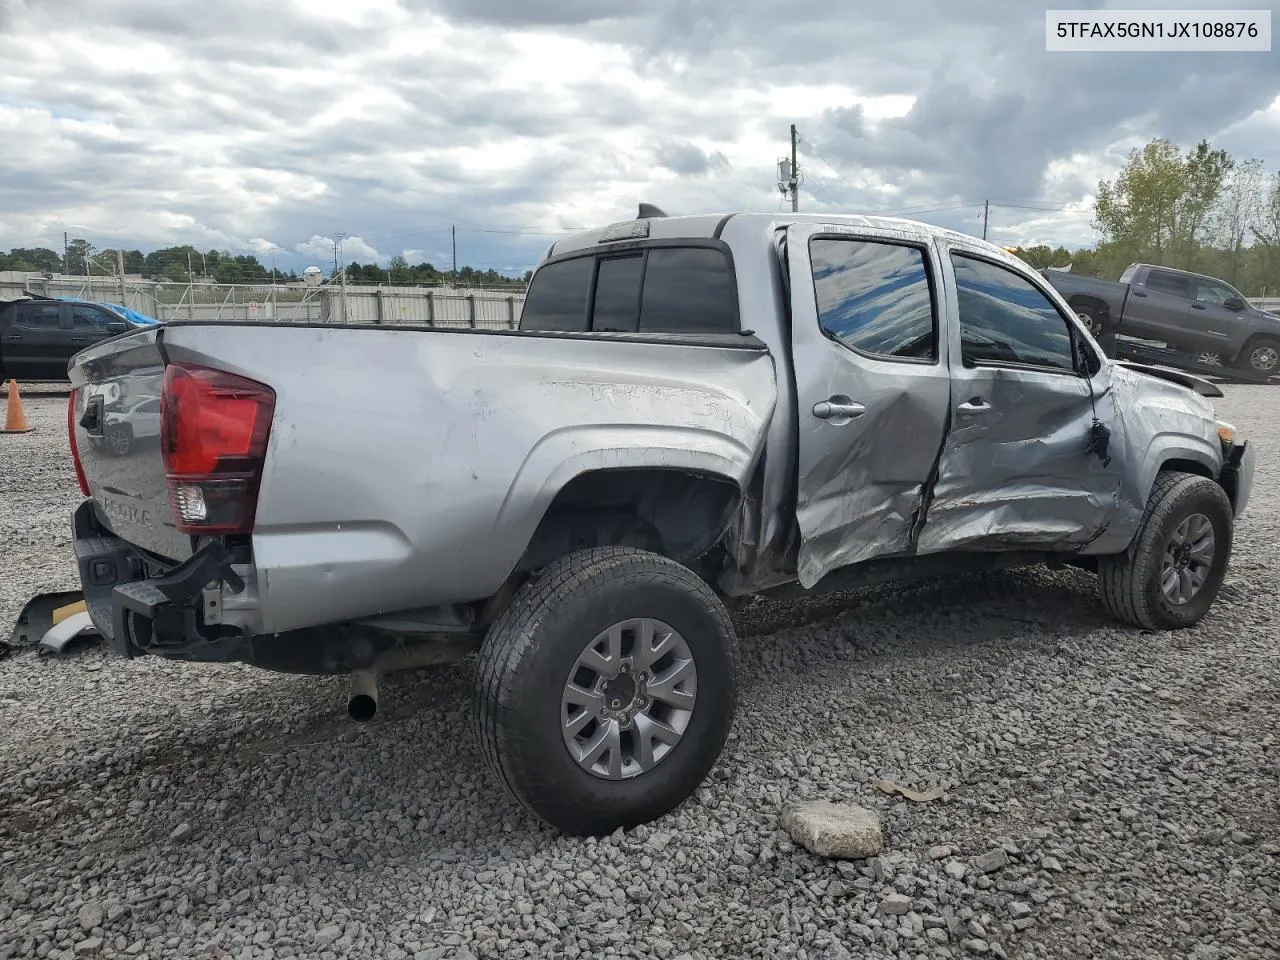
116, 418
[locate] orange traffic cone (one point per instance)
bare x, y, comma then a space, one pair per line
15, 419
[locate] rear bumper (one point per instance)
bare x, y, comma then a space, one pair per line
140, 608
1237, 475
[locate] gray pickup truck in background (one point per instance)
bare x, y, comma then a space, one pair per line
1204, 318
693, 409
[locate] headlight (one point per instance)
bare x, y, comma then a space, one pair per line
1226, 432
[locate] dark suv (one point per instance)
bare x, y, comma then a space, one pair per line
40, 335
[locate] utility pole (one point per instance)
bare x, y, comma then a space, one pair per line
342, 290
66, 254
453, 231
789, 174
124, 287
986, 211
795, 174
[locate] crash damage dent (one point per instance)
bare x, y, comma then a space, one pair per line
869, 485
1023, 477
1157, 421
716, 428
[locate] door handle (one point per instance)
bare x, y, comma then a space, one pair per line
1139, 293
976, 405
1197, 306
79, 339
14, 336
838, 408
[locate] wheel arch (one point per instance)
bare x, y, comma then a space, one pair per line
1090, 301
1177, 453
678, 513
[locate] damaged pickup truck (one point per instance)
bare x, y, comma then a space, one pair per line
692, 409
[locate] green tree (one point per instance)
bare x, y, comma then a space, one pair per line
1239, 209
78, 254
1161, 206
31, 260
1266, 233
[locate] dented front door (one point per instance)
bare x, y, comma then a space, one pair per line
1016, 471
872, 389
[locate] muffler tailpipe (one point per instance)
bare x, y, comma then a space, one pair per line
362, 700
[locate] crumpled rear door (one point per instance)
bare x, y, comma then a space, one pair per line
872, 388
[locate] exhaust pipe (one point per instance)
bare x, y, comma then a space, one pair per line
362, 700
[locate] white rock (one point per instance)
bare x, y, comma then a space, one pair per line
90, 916
840, 830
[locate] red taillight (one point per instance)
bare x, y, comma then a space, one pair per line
75, 450
213, 434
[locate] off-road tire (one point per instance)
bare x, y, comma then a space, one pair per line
1130, 581
527, 657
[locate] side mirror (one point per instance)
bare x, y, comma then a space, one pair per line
1234, 303
117, 326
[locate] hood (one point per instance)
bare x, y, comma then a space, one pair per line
1201, 386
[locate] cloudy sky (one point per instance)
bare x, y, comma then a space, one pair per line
267, 126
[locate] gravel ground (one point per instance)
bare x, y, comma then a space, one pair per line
1110, 793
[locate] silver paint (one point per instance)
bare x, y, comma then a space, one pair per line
410, 467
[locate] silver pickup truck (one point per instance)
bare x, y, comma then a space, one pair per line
693, 409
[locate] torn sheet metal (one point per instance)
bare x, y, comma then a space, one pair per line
1018, 474
1157, 420
861, 477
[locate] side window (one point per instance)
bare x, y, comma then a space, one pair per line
89, 318
38, 316
1174, 284
557, 297
1211, 291
688, 290
874, 297
617, 294
1005, 319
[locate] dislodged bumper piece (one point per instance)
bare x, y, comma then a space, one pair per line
133, 609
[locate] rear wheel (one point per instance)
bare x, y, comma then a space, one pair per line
1171, 573
606, 690
1094, 319
1209, 358
1260, 356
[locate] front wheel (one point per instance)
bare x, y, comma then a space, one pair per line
605, 691
1260, 356
1173, 569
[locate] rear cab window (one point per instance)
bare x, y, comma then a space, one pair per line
1174, 284
38, 316
667, 288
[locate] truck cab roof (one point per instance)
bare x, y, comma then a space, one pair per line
713, 226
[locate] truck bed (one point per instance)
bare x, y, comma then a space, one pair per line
410, 466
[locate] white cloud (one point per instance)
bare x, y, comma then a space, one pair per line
267, 128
